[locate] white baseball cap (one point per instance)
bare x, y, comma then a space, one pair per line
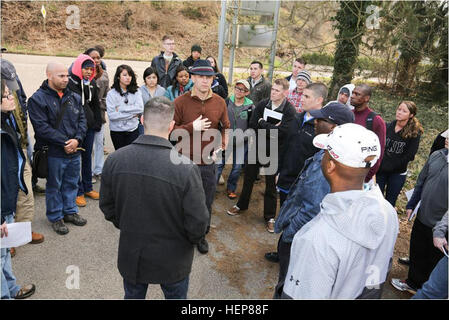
445, 134
350, 144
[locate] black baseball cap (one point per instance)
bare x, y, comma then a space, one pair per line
334, 112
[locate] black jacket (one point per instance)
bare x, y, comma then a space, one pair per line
298, 149
44, 107
288, 112
12, 168
398, 151
159, 207
222, 81
166, 77
91, 106
188, 62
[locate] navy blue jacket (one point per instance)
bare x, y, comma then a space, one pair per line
11, 151
298, 149
44, 107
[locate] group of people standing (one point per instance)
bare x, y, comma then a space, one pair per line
333, 162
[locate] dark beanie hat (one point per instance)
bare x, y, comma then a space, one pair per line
88, 63
196, 47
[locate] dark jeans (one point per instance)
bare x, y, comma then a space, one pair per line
62, 187
270, 196
423, 255
237, 165
123, 138
209, 186
393, 183
177, 290
85, 181
436, 286
284, 260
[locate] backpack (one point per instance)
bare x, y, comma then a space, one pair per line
369, 120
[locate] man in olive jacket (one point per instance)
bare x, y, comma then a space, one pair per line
158, 206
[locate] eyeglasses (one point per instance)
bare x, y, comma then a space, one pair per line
241, 90
169, 43
8, 96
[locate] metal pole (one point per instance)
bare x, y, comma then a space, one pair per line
273, 43
233, 42
221, 34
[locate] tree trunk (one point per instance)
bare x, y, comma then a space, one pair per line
351, 20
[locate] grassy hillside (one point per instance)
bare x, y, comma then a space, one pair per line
132, 30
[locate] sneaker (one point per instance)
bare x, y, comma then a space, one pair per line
231, 195
401, 285
203, 246
38, 189
221, 181
233, 211
60, 227
92, 194
36, 238
26, 291
270, 226
81, 201
76, 219
272, 256
404, 260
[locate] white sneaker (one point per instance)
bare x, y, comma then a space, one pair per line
401, 285
221, 181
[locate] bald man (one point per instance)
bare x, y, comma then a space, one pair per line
369, 119
60, 126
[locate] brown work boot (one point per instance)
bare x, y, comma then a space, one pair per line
36, 238
81, 201
92, 194
12, 251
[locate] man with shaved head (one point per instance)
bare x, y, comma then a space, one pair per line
367, 118
60, 126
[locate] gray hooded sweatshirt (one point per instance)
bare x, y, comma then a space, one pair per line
346, 250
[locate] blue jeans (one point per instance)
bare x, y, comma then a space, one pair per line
393, 183
85, 180
98, 148
177, 290
62, 187
436, 286
9, 288
237, 165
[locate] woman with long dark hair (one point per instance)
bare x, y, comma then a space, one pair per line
401, 145
219, 77
124, 105
181, 83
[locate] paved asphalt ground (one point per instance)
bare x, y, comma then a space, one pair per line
234, 268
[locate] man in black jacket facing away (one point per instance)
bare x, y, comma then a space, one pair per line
277, 104
160, 209
167, 62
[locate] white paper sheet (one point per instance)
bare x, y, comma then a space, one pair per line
272, 114
409, 194
19, 233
